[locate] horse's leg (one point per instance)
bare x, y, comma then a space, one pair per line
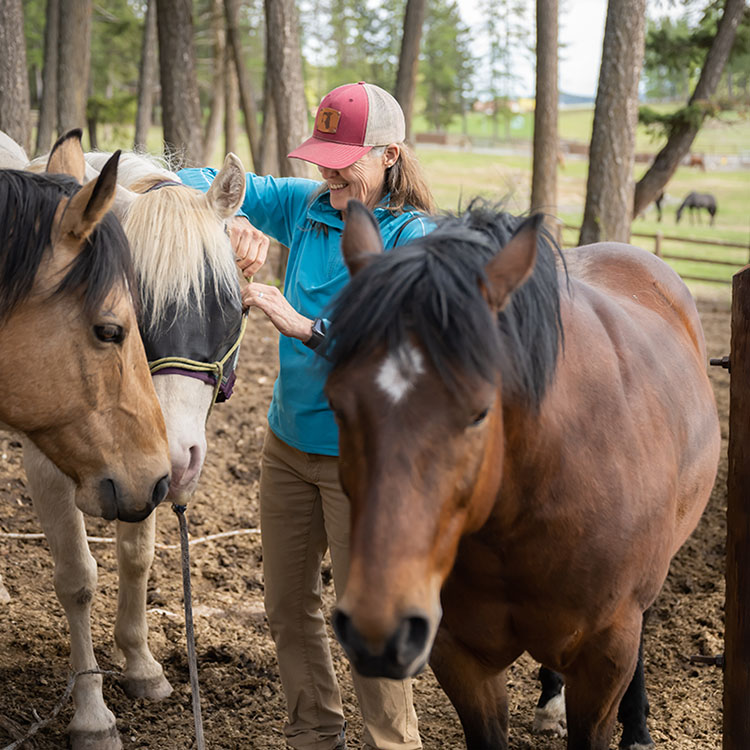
549, 716
93, 724
144, 676
634, 709
477, 693
596, 683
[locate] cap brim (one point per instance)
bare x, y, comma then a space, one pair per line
327, 154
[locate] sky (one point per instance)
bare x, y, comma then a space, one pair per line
581, 34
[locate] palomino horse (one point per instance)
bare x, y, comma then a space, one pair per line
524, 449
191, 322
73, 375
697, 201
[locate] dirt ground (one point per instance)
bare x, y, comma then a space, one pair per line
243, 707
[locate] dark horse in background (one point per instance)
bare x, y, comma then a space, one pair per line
698, 201
524, 449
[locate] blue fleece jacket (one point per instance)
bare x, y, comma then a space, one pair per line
282, 208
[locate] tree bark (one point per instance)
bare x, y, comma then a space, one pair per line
146, 78
73, 64
682, 136
608, 211
15, 112
231, 104
406, 78
544, 173
284, 73
269, 153
218, 98
181, 112
247, 90
48, 106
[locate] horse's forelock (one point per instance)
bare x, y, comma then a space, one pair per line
28, 205
430, 289
174, 236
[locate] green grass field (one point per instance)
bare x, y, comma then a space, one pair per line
457, 176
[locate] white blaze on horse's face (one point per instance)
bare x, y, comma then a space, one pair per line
185, 403
399, 371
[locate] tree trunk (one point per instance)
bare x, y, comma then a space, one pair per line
284, 72
181, 112
544, 173
269, 153
216, 108
406, 79
231, 104
609, 189
73, 63
15, 112
247, 90
146, 78
682, 136
48, 106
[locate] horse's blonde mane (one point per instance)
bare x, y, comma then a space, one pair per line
174, 235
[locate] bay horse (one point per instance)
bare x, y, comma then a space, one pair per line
191, 320
524, 447
698, 201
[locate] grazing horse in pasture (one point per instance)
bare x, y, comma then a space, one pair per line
524, 447
73, 375
697, 201
191, 322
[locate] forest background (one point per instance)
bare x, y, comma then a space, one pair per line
471, 120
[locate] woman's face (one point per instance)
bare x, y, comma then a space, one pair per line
362, 181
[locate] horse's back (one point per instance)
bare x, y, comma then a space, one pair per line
650, 333
624, 272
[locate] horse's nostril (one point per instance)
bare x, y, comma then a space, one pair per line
160, 491
108, 499
340, 623
409, 641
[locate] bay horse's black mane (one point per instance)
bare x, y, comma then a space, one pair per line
28, 203
431, 289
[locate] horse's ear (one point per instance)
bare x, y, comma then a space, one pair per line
361, 242
66, 156
227, 191
88, 206
510, 267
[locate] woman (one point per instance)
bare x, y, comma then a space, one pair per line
358, 146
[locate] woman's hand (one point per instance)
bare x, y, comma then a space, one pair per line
273, 303
250, 245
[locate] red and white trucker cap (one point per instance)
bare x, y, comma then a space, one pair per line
350, 120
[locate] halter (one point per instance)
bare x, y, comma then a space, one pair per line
220, 373
215, 373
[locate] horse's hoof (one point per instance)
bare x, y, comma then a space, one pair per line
550, 719
4, 595
638, 746
154, 688
107, 739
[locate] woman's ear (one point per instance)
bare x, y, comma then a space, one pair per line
391, 155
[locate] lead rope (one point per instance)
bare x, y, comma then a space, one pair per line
189, 629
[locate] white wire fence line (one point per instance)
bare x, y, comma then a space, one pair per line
112, 540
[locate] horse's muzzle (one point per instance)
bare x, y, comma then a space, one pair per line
404, 654
113, 506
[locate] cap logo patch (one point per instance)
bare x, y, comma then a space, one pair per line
327, 120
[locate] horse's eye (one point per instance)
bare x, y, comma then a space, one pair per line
109, 333
479, 418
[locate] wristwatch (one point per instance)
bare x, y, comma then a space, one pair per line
318, 334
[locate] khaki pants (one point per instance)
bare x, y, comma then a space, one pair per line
303, 511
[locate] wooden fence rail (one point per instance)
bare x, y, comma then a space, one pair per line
658, 238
